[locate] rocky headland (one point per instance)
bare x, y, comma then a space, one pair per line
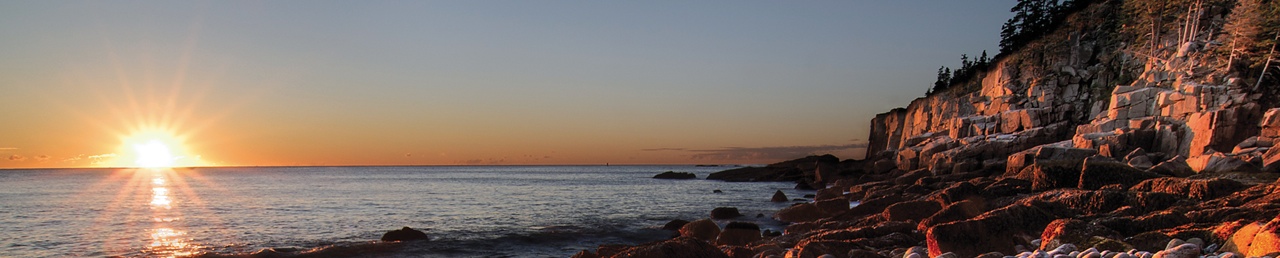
1127, 129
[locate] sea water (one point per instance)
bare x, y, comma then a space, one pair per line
468, 211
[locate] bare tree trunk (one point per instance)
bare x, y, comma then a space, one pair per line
1267, 64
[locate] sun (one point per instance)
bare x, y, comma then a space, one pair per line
153, 154
156, 149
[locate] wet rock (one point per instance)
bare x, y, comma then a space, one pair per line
681, 247
717, 191
725, 213
737, 251
675, 225
405, 234
675, 175
778, 196
738, 233
703, 229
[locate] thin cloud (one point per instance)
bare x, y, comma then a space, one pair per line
8, 148
17, 157
776, 153
102, 156
664, 149
42, 157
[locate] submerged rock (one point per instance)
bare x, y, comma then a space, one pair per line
725, 213
778, 197
675, 175
405, 234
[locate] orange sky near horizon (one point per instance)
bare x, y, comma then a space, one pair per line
229, 83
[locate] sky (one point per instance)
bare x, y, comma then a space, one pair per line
302, 83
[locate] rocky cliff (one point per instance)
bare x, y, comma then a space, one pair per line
1084, 86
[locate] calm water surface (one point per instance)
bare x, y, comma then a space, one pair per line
479, 211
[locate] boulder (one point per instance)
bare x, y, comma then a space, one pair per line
725, 213
1265, 239
1100, 171
911, 210
1176, 166
1072, 231
681, 247
1270, 124
1271, 160
778, 196
405, 234
803, 212
1200, 189
675, 175
832, 206
675, 225
703, 229
1187, 250
1217, 162
738, 233
961, 210
991, 231
1051, 175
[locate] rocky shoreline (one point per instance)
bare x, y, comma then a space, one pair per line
1095, 139
988, 213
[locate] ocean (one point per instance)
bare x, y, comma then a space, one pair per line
468, 211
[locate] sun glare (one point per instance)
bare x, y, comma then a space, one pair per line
155, 149
153, 154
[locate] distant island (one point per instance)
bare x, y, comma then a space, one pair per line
1141, 128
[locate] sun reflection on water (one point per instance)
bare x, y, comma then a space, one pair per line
167, 239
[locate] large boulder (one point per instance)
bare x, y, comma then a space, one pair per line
681, 247
675, 175
995, 230
803, 212
1176, 166
738, 233
405, 234
1255, 239
1217, 162
675, 224
1100, 171
703, 229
